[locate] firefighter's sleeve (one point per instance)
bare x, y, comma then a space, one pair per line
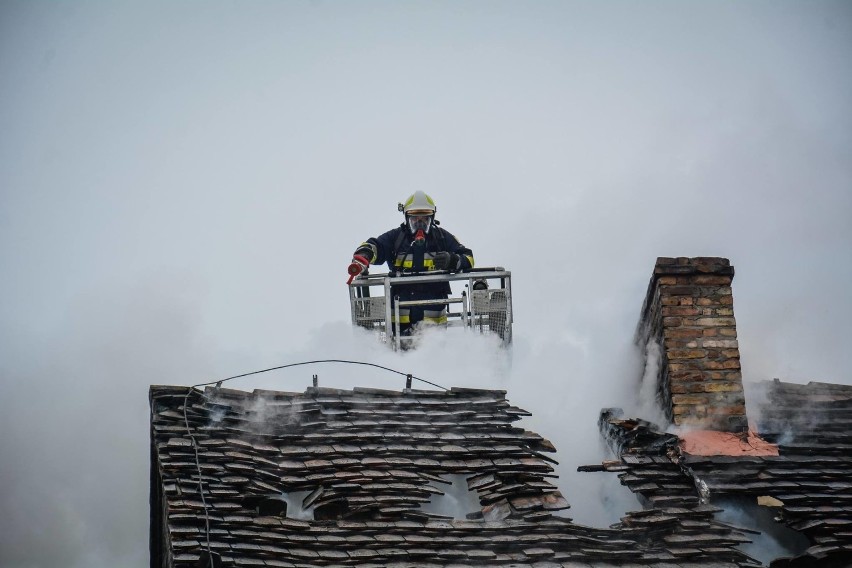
378, 249
465, 254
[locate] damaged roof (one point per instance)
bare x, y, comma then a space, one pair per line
808, 484
369, 458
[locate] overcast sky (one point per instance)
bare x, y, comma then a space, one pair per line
182, 185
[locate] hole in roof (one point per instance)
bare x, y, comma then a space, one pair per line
598, 499
295, 505
333, 510
774, 540
457, 501
268, 505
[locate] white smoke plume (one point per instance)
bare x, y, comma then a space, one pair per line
182, 186
649, 401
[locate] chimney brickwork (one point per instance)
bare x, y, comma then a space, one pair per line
689, 312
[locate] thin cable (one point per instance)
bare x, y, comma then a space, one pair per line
320, 361
200, 484
191, 389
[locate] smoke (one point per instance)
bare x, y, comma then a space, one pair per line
549, 377
266, 415
295, 505
216, 416
457, 501
782, 424
73, 410
649, 400
183, 210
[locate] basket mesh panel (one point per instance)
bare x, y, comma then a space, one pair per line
369, 313
490, 309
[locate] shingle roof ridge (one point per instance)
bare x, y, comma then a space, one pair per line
810, 386
454, 392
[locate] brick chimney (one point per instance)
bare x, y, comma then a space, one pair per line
689, 312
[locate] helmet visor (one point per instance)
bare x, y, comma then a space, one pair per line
419, 222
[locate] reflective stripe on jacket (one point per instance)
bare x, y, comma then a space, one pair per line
407, 258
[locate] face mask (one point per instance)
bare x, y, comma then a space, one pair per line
419, 223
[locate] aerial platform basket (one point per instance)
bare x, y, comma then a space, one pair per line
484, 306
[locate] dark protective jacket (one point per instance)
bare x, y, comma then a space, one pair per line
397, 249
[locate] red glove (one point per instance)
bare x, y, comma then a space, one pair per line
357, 266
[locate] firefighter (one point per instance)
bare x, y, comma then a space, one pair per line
417, 245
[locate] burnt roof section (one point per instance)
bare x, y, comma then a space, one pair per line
369, 458
649, 464
809, 483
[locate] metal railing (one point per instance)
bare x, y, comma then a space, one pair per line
486, 301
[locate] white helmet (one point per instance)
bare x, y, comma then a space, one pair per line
419, 211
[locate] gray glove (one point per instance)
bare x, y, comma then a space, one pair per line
447, 261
